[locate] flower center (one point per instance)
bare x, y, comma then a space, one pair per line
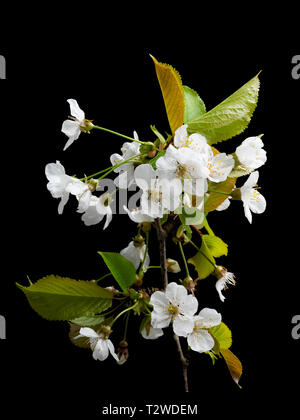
174, 310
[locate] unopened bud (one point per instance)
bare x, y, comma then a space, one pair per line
138, 241
189, 283
122, 352
173, 266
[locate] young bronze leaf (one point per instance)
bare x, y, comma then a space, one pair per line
216, 198
172, 91
234, 365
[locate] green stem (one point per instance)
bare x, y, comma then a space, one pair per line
118, 165
153, 266
117, 134
103, 277
207, 227
184, 259
145, 254
123, 312
126, 326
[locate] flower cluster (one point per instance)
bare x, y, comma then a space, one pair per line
180, 178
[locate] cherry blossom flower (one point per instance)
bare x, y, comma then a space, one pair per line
136, 255
98, 208
174, 305
251, 153
59, 183
126, 170
224, 279
75, 124
200, 339
220, 165
100, 345
137, 215
253, 201
159, 194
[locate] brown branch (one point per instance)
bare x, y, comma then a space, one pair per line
161, 235
184, 363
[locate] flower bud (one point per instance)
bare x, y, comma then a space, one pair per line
189, 283
173, 266
122, 352
138, 241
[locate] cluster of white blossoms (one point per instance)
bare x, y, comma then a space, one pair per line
180, 176
180, 179
175, 306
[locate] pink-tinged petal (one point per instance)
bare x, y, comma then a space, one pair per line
75, 110
200, 341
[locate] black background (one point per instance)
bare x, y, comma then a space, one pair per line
107, 68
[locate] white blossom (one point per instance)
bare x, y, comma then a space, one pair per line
251, 153
252, 200
200, 339
224, 205
59, 183
126, 170
225, 278
136, 255
159, 194
100, 345
174, 305
98, 208
137, 215
77, 123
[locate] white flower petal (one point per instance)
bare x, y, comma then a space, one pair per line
75, 110
152, 334
200, 341
183, 326
210, 317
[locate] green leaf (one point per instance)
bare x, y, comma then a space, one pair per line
230, 117
61, 299
82, 342
234, 365
203, 261
216, 246
172, 91
88, 321
216, 198
191, 216
194, 107
158, 134
122, 269
222, 336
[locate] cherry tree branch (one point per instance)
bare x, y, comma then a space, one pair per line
184, 363
162, 235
